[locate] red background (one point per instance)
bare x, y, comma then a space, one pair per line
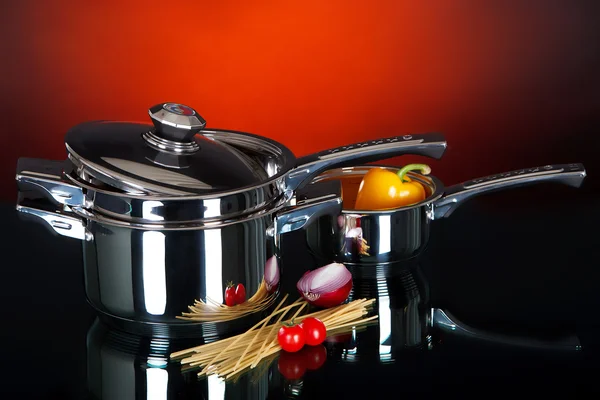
511, 83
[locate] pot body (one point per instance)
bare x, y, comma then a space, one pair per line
375, 239
369, 237
142, 280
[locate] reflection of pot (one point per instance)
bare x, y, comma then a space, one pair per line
407, 320
126, 366
168, 214
379, 237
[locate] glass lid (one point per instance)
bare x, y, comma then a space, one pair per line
175, 156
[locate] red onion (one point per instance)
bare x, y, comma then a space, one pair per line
327, 286
271, 274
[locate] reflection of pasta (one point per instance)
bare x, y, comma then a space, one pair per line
212, 311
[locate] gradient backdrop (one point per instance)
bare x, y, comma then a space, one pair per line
511, 83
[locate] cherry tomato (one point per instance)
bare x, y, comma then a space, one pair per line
314, 331
230, 295
314, 356
240, 293
291, 337
291, 365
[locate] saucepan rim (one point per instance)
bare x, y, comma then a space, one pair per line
432, 183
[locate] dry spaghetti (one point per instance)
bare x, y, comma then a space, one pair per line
232, 356
212, 311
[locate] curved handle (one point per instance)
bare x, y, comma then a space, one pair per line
47, 175
326, 199
568, 174
426, 144
298, 216
58, 221
443, 320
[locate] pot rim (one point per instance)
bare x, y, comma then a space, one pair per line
435, 185
212, 223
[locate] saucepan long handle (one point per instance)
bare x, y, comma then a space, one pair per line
568, 174
426, 144
443, 320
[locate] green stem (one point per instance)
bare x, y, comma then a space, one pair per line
424, 168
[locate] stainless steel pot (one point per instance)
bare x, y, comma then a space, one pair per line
168, 214
367, 237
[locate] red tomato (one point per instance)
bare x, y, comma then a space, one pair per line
314, 356
230, 295
314, 331
291, 338
240, 293
291, 365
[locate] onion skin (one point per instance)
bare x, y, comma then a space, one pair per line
328, 293
331, 299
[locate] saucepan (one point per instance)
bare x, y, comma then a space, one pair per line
175, 218
374, 237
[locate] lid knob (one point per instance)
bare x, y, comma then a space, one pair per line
176, 122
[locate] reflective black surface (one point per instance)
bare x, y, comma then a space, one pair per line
521, 263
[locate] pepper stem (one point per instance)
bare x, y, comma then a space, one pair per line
424, 168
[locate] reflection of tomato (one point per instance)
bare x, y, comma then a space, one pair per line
314, 356
291, 365
291, 338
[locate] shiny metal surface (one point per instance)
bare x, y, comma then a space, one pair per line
169, 146
152, 276
430, 144
161, 229
140, 279
176, 123
108, 203
172, 160
380, 237
62, 223
118, 154
567, 174
47, 176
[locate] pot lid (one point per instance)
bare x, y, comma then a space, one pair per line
175, 156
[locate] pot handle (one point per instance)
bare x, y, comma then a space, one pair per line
426, 144
60, 222
324, 199
568, 174
47, 175
445, 321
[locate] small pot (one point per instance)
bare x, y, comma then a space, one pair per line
367, 237
170, 213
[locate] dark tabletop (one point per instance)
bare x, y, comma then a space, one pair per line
522, 264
